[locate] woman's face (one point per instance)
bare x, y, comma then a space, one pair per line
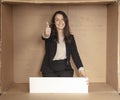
59, 22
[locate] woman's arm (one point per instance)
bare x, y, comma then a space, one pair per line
76, 58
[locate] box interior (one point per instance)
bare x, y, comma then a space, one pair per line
94, 27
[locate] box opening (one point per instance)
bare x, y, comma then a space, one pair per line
94, 27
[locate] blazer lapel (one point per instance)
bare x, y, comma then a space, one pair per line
67, 49
53, 49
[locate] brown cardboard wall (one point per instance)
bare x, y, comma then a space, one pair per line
7, 47
112, 46
88, 24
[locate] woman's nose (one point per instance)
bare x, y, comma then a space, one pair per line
60, 21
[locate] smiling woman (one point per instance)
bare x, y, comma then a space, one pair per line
60, 46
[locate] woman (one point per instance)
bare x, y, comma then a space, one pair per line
59, 47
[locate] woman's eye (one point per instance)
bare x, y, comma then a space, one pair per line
56, 20
59, 20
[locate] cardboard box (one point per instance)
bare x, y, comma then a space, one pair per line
94, 24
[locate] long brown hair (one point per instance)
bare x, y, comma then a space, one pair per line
66, 30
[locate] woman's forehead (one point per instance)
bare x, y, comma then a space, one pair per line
59, 16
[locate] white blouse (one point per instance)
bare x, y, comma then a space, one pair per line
61, 50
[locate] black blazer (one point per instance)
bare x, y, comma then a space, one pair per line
50, 50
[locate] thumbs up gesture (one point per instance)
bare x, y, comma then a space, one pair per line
47, 30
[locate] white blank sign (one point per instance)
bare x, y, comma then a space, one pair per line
58, 85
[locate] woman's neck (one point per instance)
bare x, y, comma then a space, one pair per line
60, 33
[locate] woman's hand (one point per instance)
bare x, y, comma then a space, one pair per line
83, 74
47, 30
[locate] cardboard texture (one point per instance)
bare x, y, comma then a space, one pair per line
112, 45
94, 25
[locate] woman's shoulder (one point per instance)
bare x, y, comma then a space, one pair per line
71, 36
